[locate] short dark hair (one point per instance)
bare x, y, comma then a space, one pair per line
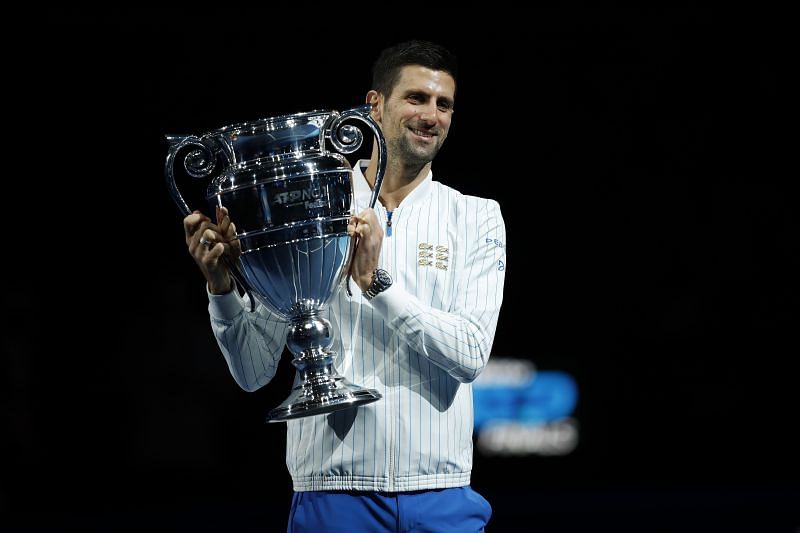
386, 69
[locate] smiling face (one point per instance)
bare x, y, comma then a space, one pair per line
415, 117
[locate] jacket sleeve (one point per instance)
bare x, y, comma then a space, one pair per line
459, 339
251, 342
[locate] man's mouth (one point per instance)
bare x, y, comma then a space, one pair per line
422, 133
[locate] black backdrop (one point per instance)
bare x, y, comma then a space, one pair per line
652, 251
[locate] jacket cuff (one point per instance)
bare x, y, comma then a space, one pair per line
391, 303
225, 306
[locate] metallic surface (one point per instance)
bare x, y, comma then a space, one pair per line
290, 199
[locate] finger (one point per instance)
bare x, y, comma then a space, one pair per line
197, 233
235, 249
207, 238
192, 222
356, 225
216, 251
368, 215
224, 222
363, 230
221, 212
363, 216
230, 233
231, 249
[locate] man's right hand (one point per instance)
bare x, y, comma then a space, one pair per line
208, 243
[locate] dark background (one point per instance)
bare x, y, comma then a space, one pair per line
639, 157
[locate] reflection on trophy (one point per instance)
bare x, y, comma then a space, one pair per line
291, 199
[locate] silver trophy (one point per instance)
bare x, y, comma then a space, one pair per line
290, 198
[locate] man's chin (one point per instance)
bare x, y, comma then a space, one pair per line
425, 152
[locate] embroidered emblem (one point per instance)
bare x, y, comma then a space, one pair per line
426, 255
442, 256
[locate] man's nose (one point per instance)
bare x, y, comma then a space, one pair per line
429, 113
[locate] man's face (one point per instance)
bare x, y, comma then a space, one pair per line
415, 117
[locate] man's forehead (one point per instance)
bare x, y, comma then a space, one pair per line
418, 77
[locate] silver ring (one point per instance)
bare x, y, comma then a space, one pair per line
205, 242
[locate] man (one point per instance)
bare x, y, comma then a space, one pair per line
430, 265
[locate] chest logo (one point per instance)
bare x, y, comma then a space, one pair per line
433, 255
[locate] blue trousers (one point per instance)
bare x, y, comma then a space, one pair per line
458, 509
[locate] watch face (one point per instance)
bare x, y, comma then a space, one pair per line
383, 277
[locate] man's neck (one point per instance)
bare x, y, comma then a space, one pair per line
398, 181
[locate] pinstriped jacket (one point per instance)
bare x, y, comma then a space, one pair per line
420, 344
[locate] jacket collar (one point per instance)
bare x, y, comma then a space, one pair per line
363, 191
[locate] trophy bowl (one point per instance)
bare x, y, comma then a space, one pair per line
291, 199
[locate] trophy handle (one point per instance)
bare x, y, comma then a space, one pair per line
199, 163
347, 139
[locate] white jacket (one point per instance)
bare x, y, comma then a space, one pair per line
420, 344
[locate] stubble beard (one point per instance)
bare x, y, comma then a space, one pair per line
412, 154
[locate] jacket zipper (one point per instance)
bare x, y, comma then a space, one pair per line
389, 223
391, 451
393, 426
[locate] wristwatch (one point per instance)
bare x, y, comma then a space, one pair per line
381, 280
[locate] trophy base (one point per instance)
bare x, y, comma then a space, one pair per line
334, 395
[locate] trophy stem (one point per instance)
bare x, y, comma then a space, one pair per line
320, 388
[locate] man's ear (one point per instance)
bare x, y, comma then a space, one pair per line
374, 99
